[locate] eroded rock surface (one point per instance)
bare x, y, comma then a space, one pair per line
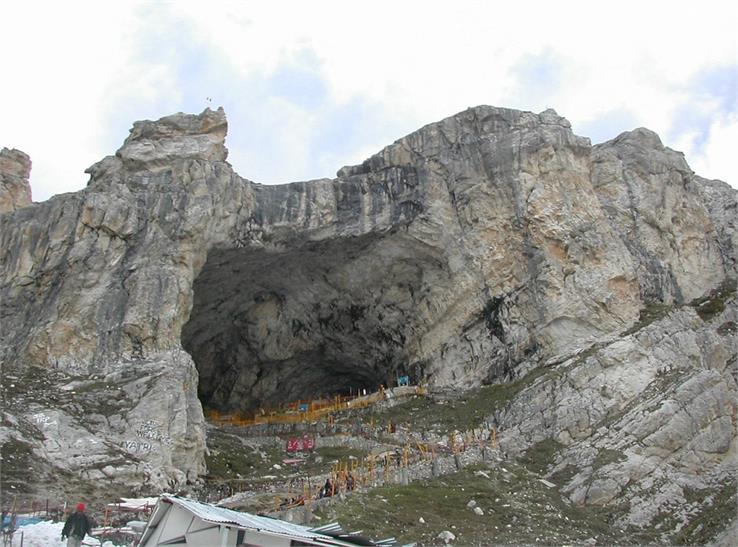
445, 256
653, 200
15, 190
644, 423
470, 251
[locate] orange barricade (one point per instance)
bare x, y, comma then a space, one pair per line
303, 411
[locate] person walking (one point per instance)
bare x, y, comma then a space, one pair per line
76, 527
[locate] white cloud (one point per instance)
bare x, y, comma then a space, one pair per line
81, 73
57, 60
716, 157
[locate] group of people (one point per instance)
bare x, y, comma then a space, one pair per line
330, 488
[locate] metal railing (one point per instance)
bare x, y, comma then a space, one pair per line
307, 411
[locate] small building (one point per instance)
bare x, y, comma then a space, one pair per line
182, 521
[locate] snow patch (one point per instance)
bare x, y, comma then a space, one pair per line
47, 534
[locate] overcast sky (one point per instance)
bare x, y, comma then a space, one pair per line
311, 86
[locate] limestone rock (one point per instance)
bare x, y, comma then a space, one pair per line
643, 418
156, 145
428, 259
137, 428
655, 203
721, 201
15, 190
472, 250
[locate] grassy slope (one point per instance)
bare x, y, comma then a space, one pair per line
518, 509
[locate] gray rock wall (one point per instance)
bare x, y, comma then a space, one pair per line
491, 240
658, 208
645, 422
15, 190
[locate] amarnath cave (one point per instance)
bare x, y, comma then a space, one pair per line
475, 250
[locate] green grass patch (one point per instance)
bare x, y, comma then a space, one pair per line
713, 517
231, 459
651, 311
17, 464
32, 384
707, 307
606, 456
713, 304
563, 476
518, 509
467, 411
540, 456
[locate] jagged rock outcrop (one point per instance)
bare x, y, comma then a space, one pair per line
644, 423
15, 190
653, 200
721, 201
469, 251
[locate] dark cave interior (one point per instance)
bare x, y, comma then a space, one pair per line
307, 320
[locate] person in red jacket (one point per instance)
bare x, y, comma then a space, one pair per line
78, 525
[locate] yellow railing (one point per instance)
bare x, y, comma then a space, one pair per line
316, 409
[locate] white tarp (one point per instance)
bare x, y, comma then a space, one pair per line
135, 504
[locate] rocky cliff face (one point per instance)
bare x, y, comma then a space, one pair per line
15, 190
473, 250
644, 422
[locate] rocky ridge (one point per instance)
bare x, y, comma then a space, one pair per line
475, 250
15, 190
643, 423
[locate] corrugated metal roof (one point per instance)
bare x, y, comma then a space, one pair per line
222, 515
332, 527
328, 535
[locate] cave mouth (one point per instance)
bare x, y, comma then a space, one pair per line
315, 319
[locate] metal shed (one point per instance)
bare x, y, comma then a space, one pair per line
182, 521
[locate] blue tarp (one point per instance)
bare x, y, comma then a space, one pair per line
22, 521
